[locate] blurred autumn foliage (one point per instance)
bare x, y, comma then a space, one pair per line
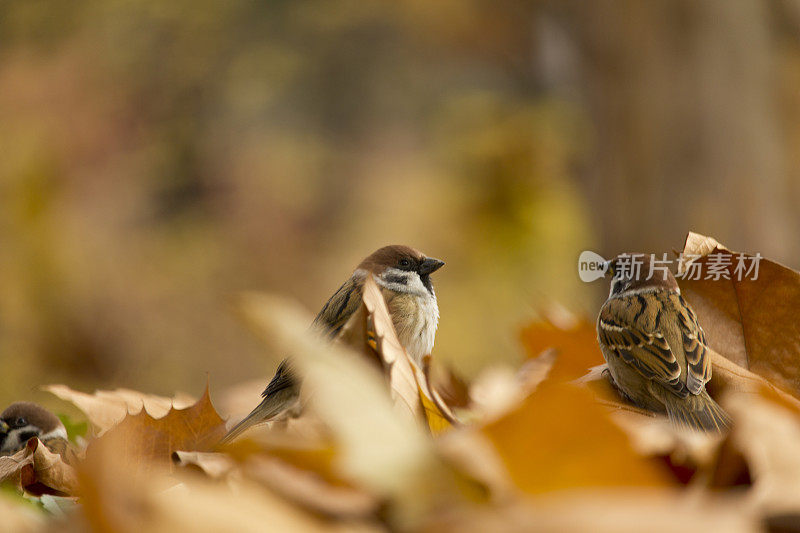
159, 157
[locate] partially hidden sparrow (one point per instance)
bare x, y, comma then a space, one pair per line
656, 351
21, 421
404, 277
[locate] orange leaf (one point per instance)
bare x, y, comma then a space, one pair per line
559, 438
576, 345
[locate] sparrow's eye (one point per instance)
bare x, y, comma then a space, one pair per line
404, 263
21, 422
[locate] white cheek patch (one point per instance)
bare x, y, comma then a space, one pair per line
402, 281
56, 433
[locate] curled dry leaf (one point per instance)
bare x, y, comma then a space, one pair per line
142, 439
766, 434
305, 484
105, 409
371, 331
380, 448
499, 389
38, 471
452, 387
752, 322
494, 392
214, 465
309, 490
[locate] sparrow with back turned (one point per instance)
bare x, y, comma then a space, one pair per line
656, 351
403, 275
21, 421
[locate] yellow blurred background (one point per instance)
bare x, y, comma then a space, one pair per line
160, 156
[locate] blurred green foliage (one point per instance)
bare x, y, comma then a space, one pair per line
74, 427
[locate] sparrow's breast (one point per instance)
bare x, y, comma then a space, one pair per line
415, 319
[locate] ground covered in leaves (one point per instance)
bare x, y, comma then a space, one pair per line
548, 446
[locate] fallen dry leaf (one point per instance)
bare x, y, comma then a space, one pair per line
685, 451
499, 389
766, 434
575, 339
371, 331
105, 409
452, 387
604, 511
37, 470
303, 477
752, 322
117, 498
730, 377
559, 438
143, 439
311, 491
379, 447
214, 465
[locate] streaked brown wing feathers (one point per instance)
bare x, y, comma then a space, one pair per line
646, 351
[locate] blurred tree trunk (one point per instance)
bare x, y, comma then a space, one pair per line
688, 131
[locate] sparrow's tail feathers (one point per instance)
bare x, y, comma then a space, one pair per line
697, 412
270, 408
281, 395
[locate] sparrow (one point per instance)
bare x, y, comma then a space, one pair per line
404, 277
21, 421
656, 351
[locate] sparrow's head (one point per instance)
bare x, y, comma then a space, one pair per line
402, 269
639, 272
23, 420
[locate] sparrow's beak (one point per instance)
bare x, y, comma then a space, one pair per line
4, 427
429, 264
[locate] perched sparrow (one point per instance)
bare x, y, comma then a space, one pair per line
656, 351
403, 274
22, 421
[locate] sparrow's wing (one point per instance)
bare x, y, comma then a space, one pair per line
280, 396
340, 307
283, 391
623, 328
282, 380
695, 346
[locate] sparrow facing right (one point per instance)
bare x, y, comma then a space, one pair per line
403, 275
656, 351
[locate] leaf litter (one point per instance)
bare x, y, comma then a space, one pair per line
381, 444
